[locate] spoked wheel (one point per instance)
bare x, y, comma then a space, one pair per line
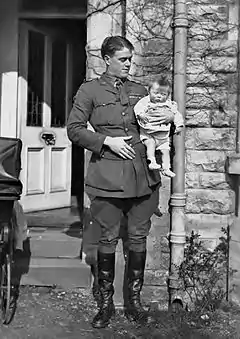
5, 292
7, 297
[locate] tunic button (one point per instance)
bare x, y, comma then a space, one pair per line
123, 113
126, 129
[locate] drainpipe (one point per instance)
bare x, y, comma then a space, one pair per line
178, 197
124, 17
238, 117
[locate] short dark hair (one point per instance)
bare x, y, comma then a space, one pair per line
162, 81
115, 43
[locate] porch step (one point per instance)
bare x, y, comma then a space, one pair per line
65, 273
52, 257
54, 243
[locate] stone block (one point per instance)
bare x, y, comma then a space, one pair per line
215, 138
222, 64
206, 79
159, 229
210, 161
215, 47
210, 201
223, 47
157, 46
233, 164
207, 225
209, 97
223, 118
215, 11
197, 97
207, 29
155, 277
189, 138
197, 118
207, 180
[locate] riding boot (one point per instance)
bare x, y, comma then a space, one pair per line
106, 271
135, 277
95, 286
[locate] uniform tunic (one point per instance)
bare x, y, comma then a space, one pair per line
110, 112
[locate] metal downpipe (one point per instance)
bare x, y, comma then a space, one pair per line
178, 197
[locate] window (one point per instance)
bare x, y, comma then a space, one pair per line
58, 86
36, 43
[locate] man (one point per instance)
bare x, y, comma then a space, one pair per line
118, 176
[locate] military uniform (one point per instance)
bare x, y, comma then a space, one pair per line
119, 185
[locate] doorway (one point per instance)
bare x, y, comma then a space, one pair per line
51, 68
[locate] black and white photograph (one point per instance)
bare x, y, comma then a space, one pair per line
120, 169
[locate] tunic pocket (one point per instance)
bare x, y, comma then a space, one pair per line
103, 111
105, 174
134, 98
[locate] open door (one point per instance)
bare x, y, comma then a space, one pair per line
44, 96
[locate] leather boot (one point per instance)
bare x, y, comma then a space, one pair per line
135, 277
95, 286
106, 272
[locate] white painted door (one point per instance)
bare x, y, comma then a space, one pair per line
43, 105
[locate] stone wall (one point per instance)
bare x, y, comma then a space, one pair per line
211, 115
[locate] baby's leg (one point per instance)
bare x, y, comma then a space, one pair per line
151, 148
166, 163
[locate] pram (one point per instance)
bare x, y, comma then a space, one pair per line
10, 191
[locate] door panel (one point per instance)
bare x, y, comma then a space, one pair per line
44, 85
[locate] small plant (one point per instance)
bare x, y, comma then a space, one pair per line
203, 273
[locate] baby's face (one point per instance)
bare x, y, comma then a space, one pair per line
158, 93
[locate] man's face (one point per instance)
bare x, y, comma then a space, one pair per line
119, 64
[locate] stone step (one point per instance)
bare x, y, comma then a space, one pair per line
65, 273
57, 243
52, 257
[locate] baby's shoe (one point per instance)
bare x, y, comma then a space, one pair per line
168, 173
153, 165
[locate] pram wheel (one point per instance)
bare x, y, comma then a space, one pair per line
7, 300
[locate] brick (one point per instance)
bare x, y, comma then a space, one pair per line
210, 201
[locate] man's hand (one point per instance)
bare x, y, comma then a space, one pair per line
119, 146
164, 117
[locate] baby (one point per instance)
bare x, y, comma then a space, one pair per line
156, 137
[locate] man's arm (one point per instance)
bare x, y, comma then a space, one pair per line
78, 118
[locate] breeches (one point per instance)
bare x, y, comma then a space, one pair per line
108, 213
